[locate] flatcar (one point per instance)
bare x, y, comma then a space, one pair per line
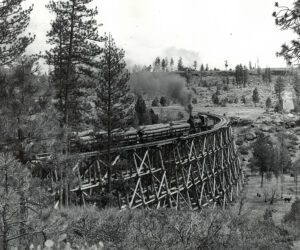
90, 140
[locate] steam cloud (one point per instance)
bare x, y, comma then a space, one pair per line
162, 84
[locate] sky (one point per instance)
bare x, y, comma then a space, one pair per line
208, 31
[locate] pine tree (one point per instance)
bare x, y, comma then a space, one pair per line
287, 18
163, 65
263, 157
141, 110
21, 203
114, 101
239, 74
13, 22
157, 64
19, 86
267, 75
268, 103
202, 68
255, 96
245, 76
279, 86
180, 64
74, 46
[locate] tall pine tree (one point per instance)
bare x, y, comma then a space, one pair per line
114, 103
74, 42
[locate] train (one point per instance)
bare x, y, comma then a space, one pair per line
91, 140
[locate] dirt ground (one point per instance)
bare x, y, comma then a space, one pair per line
256, 205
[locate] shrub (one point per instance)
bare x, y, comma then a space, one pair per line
194, 100
224, 102
215, 98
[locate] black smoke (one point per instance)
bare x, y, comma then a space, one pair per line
162, 84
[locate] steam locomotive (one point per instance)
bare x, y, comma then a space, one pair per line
92, 141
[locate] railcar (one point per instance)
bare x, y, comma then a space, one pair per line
90, 140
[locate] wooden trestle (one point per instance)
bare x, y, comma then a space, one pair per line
184, 173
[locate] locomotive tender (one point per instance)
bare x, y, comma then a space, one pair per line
92, 141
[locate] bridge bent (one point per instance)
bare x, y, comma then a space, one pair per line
189, 172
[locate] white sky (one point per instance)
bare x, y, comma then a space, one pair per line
209, 31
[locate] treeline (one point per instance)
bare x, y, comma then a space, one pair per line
169, 65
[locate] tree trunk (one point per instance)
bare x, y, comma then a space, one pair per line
109, 121
262, 179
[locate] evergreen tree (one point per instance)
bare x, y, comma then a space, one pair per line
255, 96
19, 86
164, 101
263, 156
22, 202
172, 64
239, 74
267, 75
296, 85
206, 68
202, 68
245, 76
114, 101
74, 46
287, 18
13, 22
157, 66
163, 65
180, 64
279, 87
268, 103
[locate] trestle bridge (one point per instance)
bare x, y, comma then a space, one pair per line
187, 172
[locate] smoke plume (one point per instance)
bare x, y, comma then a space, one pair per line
162, 84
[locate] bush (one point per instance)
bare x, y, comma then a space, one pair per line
194, 100
215, 98
224, 102
169, 229
204, 83
226, 88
